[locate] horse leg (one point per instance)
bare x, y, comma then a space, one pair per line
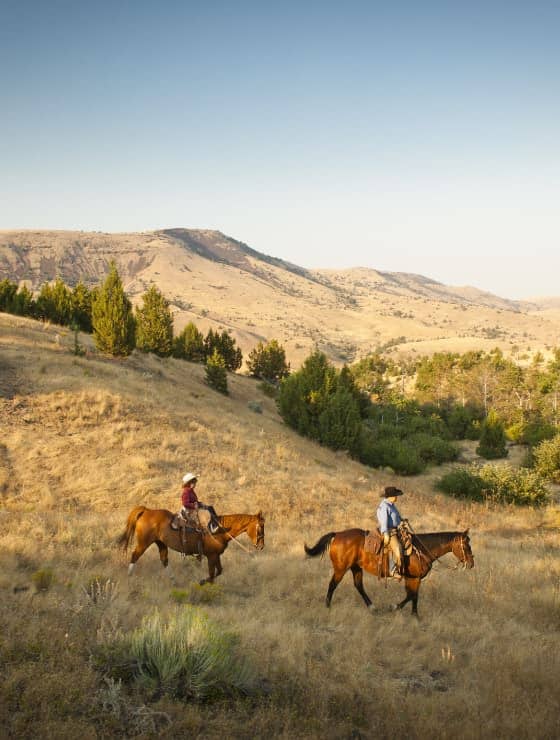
164, 557
358, 574
163, 553
143, 541
137, 553
335, 580
412, 586
214, 569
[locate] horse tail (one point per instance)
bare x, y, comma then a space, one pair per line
321, 547
124, 540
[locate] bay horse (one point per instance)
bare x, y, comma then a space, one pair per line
346, 550
154, 526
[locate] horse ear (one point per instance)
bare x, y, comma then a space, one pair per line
466, 531
260, 514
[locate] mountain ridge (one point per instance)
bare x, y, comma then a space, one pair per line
217, 281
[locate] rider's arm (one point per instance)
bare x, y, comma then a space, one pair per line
383, 519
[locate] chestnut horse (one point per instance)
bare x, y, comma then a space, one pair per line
347, 552
154, 525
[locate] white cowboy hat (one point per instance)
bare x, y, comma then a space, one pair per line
188, 477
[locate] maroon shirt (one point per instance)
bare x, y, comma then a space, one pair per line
189, 498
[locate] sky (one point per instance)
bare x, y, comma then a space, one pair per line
413, 136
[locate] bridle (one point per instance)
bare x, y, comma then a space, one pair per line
463, 560
259, 538
259, 544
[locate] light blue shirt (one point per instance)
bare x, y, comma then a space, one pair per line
388, 516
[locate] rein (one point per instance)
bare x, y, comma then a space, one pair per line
435, 560
239, 544
233, 539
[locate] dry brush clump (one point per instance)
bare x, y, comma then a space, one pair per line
79, 451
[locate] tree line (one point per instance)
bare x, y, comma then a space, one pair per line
107, 313
372, 411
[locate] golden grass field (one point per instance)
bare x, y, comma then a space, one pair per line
84, 439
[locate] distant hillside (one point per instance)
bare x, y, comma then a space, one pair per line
217, 281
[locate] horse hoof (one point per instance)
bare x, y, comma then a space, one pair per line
371, 608
394, 607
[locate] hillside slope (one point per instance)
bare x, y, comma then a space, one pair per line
219, 282
84, 439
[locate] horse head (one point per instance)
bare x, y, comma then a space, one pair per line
462, 549
255, 530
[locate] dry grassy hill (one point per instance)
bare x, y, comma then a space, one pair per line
84, 439
217, 281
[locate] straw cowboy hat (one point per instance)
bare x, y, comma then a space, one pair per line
188, 477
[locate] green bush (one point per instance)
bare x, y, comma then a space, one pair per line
389, 452
492, 444
433, 449
499, 484
530, 432
463, 483
546, 459
463, 422
186, 657
504, 484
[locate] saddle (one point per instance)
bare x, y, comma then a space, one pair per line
183, 526
178, 523
373, 544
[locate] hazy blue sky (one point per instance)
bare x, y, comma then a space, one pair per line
408, 136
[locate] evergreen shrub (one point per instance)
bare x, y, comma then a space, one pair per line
546, 459
492, 443
500, 484
216, 373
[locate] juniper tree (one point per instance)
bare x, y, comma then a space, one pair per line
81, 307
154, 324
492, 442
216, 374
23, 303
302, 395
225, 344
54, 303
189, 344
112, 317
8, 291
268, 361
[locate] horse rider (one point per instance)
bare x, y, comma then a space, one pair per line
190, 506
389, 518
